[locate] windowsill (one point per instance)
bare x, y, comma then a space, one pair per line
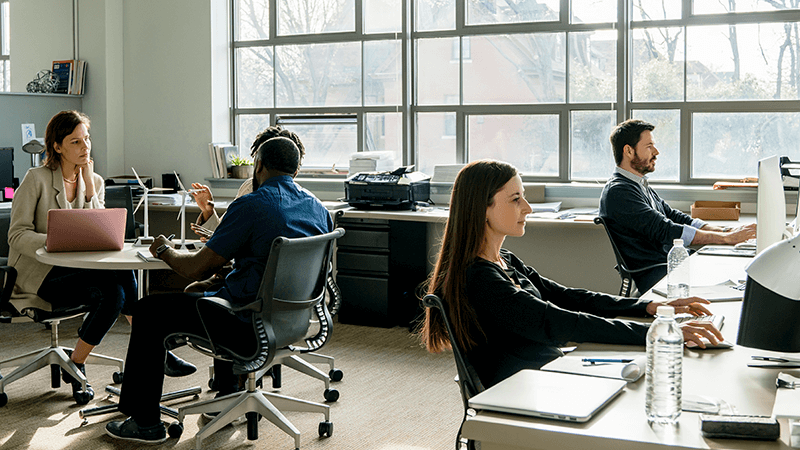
573, 194
40, 94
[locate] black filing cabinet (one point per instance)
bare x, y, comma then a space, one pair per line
379, 265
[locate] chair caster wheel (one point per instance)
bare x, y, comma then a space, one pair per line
3, 399
336, 375
83, 397
175, 430
331, 395
117, 377
325, 429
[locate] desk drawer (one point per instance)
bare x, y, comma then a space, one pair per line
362, 262
364, 238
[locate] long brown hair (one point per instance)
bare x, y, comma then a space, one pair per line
59, 127
464, 234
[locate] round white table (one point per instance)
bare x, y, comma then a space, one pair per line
125, 259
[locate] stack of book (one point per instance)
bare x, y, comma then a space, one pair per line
221, 154
71, 75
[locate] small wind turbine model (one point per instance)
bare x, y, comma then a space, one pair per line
182, 215
146, 240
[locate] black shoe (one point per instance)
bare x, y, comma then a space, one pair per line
77, 388
129, 430
176, 367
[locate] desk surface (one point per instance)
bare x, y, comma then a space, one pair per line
720, 374
124, 259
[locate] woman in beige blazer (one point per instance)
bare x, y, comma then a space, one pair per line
66, 180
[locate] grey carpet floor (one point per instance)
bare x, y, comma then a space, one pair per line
394, 395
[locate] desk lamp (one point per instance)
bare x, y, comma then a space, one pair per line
770, 317
35, 147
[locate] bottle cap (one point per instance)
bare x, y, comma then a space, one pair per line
665, 311
677, 242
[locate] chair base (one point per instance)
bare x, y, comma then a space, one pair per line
252, 403
55, 356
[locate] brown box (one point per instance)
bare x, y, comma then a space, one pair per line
713, 210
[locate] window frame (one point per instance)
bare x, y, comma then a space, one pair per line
623, 104
5, 58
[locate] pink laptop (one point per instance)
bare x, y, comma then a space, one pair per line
83, 230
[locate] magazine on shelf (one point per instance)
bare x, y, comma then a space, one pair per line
71, 75
63, 70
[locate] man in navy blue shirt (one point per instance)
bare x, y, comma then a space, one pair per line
276, 207
643, 225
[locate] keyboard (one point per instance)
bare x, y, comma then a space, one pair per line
716, 319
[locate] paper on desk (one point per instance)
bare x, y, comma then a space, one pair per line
631, 371
545, 207
786, 403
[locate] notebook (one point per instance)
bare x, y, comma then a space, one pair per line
81, 230
549, 395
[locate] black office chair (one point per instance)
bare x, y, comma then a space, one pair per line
122, 197
291, 291
55, 356
468, 381
625, 274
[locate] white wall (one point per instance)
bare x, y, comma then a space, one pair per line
41, 32
169, 87
100, 45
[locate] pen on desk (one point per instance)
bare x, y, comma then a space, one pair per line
606, 360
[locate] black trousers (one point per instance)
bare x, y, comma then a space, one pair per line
155, 318
111, 292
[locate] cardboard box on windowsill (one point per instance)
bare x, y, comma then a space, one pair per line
714, 210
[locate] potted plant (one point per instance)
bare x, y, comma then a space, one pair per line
241, 167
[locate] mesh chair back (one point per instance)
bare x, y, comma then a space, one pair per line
294, 284
122, 197
468, 379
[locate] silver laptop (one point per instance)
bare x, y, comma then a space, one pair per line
549, 395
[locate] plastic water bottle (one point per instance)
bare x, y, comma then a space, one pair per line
677, 271
663, 378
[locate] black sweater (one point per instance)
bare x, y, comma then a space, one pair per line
525, 321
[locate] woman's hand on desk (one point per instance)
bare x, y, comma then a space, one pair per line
688, 305
696, 331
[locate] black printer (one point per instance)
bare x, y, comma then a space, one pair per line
400, 189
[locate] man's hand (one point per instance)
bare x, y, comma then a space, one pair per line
158, 242
742, 233
688, 305
204, 199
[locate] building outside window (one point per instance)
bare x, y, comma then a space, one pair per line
539, 84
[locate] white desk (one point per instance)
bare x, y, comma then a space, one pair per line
623, 425
124, 259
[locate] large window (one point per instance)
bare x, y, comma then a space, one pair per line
5, 47
538, 83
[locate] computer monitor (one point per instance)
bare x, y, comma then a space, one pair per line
771, 305
771, 204
122, 197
